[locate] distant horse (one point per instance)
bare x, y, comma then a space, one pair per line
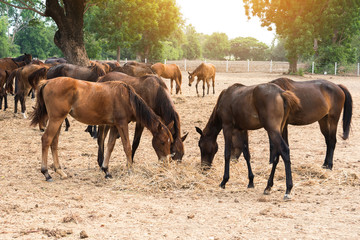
110, 103
4, 74
204, 72
23, 86
90, 74
104, 66
135, 69
55, 60
240, 108
155, 93
171, 71
113, 65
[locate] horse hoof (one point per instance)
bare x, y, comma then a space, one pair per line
222, 186
287, 197
108, 176
266, 192
251, 185
49, 179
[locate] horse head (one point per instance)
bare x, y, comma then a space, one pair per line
208, 149
191, 78
162, 141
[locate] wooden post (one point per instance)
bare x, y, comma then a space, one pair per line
248, 65
335, 67
313, 68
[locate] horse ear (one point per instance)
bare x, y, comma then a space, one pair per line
184, 137
199, 131
170, 125
189, 73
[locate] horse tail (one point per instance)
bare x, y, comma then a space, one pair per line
292, 102
10, 81
40, 112
347, 115
35, 77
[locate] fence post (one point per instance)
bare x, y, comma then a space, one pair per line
358, 72
125, 60
335, 67
313, 68
271, 66
145, 60
165, 61
185, 64
227, 65
248, 65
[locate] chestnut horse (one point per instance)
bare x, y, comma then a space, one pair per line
240, 108
171, 71
4, 74
204, 72
109, 103
155, 93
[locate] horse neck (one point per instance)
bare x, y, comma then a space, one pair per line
213, 126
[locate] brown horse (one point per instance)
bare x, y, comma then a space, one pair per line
171, 71
110, 103
155, 93
204, 72
22, 84
240, 108
10, 64
135, 69
90, 73
3, 95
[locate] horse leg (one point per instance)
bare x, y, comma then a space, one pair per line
178, 85
103, 131
5, 102
124, 134
16, 99
67, 124
196, 85
23, 106
46, 140
213, 84
246, 153
137, 135
280, 147
54, 151
110, 148
227, 130
204, 88
171, 86
328, 129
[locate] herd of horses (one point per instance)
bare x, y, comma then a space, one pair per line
110, 96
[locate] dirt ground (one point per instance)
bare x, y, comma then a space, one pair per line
178, 201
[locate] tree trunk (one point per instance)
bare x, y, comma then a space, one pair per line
293, 65
118, 54
70, 36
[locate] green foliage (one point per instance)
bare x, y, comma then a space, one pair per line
4, 41
192, 46
248, 48
216, 46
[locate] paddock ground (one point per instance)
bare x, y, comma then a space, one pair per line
178, 201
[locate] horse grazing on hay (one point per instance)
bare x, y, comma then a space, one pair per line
204, 72
109, 103
155, 93
240, 108
171, 71
91, 73
22, 84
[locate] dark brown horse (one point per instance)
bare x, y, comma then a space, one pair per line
155, 93
240, 108
204, 72
110, 103
23, 86
171, 71
3, 95
90, 73
135, 69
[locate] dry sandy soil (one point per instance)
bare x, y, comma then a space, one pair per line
178, 201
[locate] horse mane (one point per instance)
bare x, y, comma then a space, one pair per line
284, 83
56, 71
165, 107
144, 114
214, 120
35, 77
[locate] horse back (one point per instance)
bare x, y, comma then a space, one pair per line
205, 71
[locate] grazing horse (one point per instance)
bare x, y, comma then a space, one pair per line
135, 69
110, 103
155, 93
90, 74
22, 84
240, 108
171, 71
204, 72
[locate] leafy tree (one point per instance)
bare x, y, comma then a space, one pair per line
299, 23
248, 48
192, 46
216, 46
4, 42
278, 51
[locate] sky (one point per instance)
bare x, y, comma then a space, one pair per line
224, 16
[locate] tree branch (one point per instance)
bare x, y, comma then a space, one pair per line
27, 7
